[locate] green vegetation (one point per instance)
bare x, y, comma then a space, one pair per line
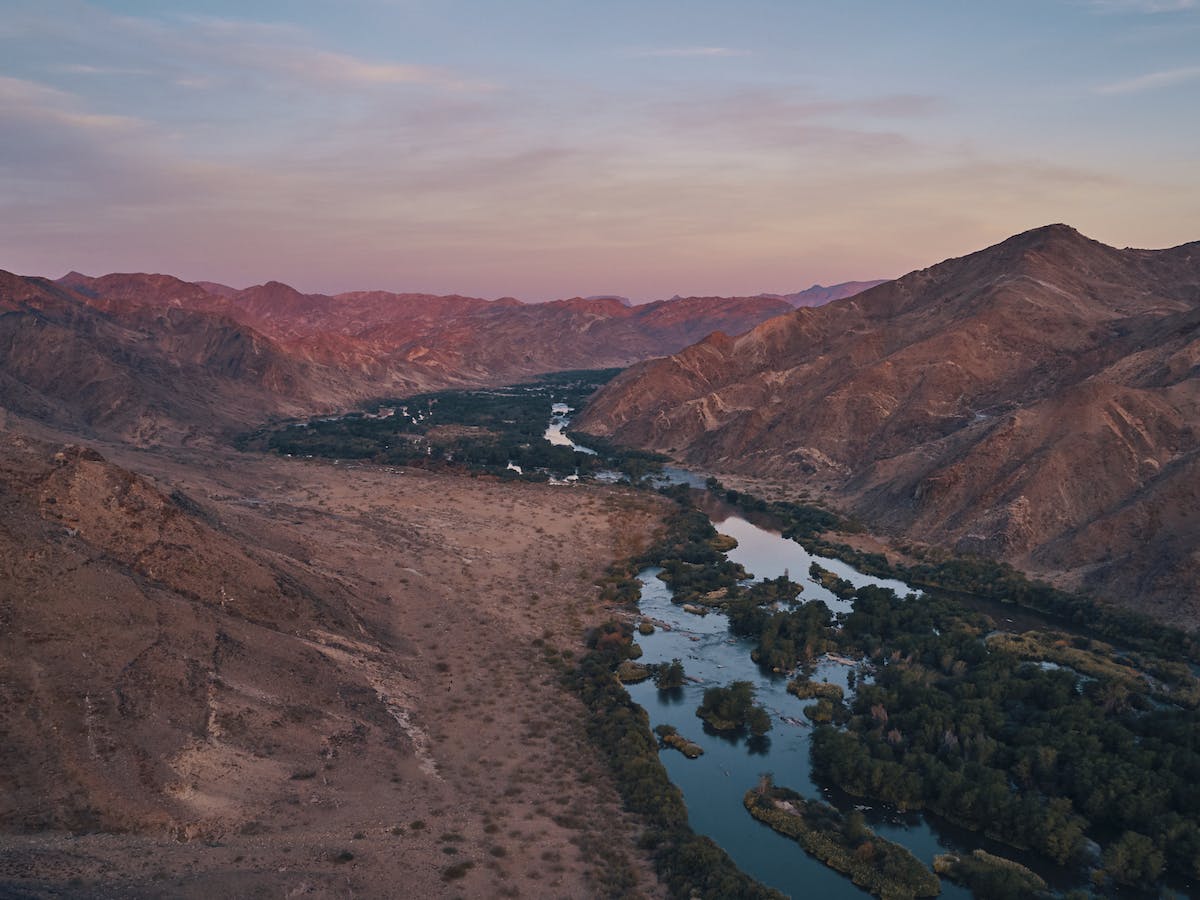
785, 638
689, 864
669, 737
1038, 741
1097, 659
688, 555
481, 430
991, 877
733, 709
1133, 859
806, 690
670, 676
631, 672
1033, 756
843, 843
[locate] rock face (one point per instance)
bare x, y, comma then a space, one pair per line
1037, 401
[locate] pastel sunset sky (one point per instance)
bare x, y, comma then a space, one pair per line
551, 148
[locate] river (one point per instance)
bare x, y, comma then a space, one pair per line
554, 430
714, 784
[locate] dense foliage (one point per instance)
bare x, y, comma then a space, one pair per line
975, 576
1034, 756
688, 553
670, 676
1041, 741
480, 430
786, 638
844, 843
991, 877
733, 708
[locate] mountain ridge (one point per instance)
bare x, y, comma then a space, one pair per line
955, 403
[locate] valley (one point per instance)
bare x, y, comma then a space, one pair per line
273, 619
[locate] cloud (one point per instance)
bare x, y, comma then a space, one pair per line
205, 51
81, 69
288, 50
30, 100
1151, 81
689, 51
1144, 7
768, 122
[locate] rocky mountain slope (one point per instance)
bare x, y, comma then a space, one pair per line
145, 372
453, 335
151, 358
1037, 401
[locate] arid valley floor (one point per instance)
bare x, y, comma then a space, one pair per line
417, 727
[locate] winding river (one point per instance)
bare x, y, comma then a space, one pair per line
713, 785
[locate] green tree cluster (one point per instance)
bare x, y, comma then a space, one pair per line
1035, 757
843, 843
733, 708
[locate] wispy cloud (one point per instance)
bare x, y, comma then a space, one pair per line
1145, 7
82, 69
688, 52
1151, 81
30, 100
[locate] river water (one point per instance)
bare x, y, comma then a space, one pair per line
554, 431
714, 784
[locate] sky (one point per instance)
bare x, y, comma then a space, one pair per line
554, 148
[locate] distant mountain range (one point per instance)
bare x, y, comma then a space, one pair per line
819, 294
154, 358
1037, 401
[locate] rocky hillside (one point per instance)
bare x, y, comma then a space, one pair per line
146, 373
1037, 401
430, 337
146, 651
151, 358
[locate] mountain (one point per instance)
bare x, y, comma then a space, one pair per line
819, 295
101, 358
1037, 401
152, 358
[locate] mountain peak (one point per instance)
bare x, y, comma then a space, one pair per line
1053, 236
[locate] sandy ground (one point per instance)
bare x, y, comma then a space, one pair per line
436, 752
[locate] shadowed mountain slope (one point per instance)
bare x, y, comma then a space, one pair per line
1037, 401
